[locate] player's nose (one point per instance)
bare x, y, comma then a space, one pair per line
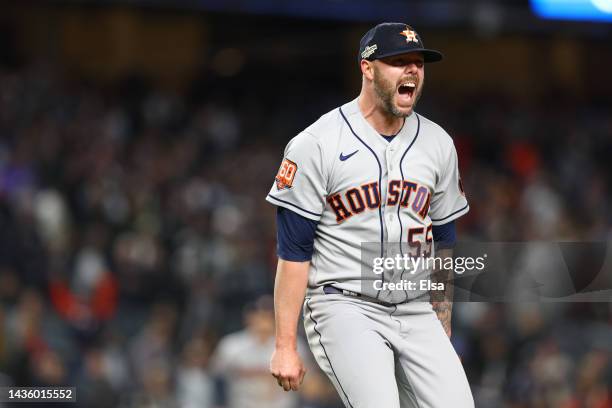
411, 67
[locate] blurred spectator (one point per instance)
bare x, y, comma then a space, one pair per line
156, 389
94, 387
47, 369
152, 349
89, 297
194, 384
242, 361
36, 344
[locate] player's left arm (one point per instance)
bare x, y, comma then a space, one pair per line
442, 299
447, 204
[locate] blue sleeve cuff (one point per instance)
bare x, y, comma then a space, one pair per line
295, 235
445, 235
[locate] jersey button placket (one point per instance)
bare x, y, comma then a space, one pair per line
390, 151
390, 167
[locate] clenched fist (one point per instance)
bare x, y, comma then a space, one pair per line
286, 366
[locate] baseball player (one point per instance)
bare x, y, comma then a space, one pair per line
370, 173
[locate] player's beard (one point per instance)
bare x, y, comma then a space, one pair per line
386, 92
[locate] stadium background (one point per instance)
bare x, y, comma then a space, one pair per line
137, 143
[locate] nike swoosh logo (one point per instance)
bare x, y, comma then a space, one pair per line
348, 156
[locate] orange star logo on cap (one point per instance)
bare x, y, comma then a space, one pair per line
410, 35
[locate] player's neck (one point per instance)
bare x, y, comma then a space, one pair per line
383, 122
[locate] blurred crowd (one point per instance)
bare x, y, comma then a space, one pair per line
137, 252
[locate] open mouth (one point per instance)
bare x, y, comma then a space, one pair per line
407, 88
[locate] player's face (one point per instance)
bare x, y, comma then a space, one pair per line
398, 82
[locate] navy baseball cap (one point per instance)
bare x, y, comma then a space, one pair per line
387, 39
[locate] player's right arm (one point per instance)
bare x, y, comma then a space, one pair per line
295, 236
299, 193
289, 288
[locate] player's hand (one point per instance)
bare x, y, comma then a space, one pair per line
287, 367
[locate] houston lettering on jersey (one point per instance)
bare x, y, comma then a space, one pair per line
356, 200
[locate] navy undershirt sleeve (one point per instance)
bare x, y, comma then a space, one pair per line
295, 235
445, 235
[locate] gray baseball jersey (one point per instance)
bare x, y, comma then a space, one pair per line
362, 189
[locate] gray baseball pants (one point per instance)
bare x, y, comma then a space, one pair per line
384, 356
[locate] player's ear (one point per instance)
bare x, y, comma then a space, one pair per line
367, 69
